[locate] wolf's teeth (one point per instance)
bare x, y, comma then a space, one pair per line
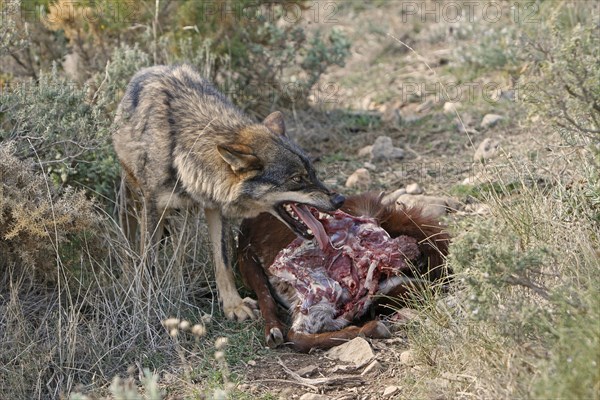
309, 231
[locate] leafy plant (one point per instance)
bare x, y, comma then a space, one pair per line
52, 121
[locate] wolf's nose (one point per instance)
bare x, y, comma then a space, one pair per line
337, 200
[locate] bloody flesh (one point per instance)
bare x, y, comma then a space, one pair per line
345, 262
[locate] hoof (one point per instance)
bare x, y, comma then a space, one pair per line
376, 330
274, 338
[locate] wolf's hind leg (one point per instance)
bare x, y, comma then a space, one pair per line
234, 307
151, 230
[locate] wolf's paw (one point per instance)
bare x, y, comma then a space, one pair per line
238, 309
253, 305
274, 338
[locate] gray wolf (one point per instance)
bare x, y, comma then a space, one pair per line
263, 238
181, 142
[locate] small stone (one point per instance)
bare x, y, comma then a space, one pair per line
508, 94
446, 304
390, 391
392, 197
470, 180
361, 178
453, 205
433, 207
314, 396
383, 149
252, 363
463, 127
336, 369
307, 371
372, 368
397, 153
357, 351
490, 120
483, 209
414, 188
408, 358
370, 166
450, 107
486, 150
365, 151
478, 209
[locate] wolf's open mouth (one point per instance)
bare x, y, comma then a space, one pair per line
301, 219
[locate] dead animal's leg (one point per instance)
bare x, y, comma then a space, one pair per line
303, 342
234, 307
254, 276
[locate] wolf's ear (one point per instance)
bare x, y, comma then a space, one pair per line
240, 157
274, 122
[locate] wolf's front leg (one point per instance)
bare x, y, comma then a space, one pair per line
234, 307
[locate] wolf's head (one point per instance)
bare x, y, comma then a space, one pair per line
276, 176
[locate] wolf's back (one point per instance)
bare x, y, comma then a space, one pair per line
169, 112
180, 96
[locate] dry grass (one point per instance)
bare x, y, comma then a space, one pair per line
98, 312
522, 322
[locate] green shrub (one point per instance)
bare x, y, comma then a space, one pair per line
53, 122
493, 49
522, 320
259, 54
564, 87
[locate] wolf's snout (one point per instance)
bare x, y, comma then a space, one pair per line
337, 200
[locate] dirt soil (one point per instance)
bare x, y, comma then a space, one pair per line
344, 380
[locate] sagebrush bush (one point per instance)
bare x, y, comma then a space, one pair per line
51, 120
522, 319
261, 56
109, 84
36, 220
259, 52
564, 87
492, 48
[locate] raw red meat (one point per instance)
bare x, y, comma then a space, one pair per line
342, 267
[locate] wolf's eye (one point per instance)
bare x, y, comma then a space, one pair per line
298, 179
